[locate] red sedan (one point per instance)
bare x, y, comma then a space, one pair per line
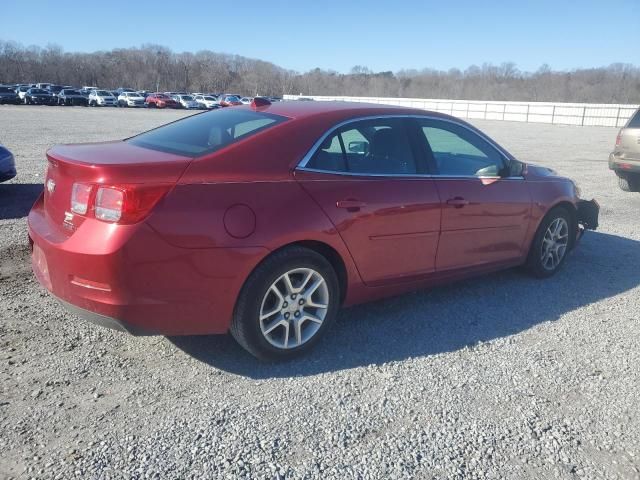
229, 100
160, 100
264, 219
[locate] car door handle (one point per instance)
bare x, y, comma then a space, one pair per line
351, 205
457, 202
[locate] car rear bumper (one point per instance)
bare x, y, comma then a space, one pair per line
129, 278
622, 164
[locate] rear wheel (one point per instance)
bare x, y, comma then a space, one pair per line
552, 243
629, 182
286, 305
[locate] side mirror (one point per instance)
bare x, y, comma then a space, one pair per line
358, 147
516, 168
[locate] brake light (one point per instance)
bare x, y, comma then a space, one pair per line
80, 194
618, 138
123, 204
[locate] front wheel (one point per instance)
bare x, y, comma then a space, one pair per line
286, 305
552, 242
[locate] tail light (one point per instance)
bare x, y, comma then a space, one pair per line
123, 204
618, 138
80, 195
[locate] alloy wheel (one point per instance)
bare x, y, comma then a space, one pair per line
554, 244
294, 308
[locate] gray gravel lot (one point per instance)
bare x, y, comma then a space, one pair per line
502, 376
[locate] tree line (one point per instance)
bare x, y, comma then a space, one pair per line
154, 67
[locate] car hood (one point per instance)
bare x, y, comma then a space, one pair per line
538, 171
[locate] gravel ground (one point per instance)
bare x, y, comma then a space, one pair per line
498, 377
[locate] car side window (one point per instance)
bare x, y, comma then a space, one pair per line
458, 151
376, 147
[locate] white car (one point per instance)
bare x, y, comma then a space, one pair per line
130, 99
207, 101
187, 101
246, 100
102, 98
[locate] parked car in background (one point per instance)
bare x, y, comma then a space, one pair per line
246, 100
207, 101
44, 86
70, 97
130, 99
188, 102
39, 96
180, 231
102, 98
625, 158
123, 90
55, 89
21, 91
89, 88
7, 165
160, 100
229, 100
9, 95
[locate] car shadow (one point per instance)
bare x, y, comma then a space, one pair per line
16, 199
447, 318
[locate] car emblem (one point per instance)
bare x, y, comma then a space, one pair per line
51, 186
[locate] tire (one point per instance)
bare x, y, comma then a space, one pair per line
541, 265
258, 298
629, 183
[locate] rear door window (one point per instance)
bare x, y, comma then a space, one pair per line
367, 147
634, 122
207, 132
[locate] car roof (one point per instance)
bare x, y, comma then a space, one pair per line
340, 110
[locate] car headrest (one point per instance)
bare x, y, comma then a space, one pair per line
384, 143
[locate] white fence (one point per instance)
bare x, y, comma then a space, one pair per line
605, 115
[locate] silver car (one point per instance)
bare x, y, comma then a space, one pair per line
625, 158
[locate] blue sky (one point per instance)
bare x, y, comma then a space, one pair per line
337, 35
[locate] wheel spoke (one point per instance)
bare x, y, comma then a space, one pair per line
311, 318
297, 326
314, 286
288, 284
313, 304
275, 324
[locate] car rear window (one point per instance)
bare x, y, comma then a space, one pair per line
635, 120
206, 132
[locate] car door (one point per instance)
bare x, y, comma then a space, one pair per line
369, 179
485, 211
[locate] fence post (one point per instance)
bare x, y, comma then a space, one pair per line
618, 116
528, 105
553, 115
584, 110
485, 111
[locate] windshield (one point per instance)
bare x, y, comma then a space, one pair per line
38, 90
188, 98
232, 98
71, 92
210, 99
103, 93
207, 132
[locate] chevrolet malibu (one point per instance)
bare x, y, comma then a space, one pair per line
263, 220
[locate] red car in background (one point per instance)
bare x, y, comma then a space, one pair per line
229, 100
264, 219
160, 100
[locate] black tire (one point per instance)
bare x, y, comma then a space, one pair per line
534, 263
629, 183
245, 325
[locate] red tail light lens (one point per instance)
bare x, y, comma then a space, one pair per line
618, 138
109, 203
127, 203
116, 203
80, 195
